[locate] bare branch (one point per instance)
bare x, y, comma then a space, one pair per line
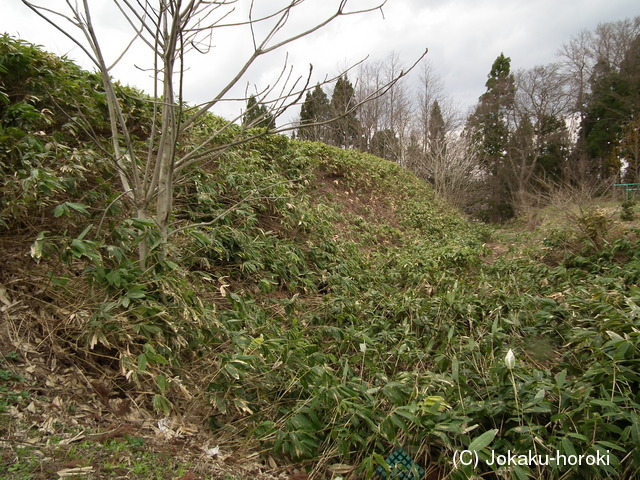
38, 11
124, 52
141, 18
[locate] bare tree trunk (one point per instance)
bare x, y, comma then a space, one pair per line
167, 148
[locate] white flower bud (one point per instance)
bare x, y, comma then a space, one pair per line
510, 360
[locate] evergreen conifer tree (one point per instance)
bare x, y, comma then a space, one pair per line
602, 123
612, 114
490, 130
629, 142
436, 125
315, 109
384, 144
345, 129
257, 115
553, 146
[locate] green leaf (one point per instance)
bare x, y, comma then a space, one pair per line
614, 336
135, 292
233, 371
163, 383
483, 440
142, 223
520, 472
539, 396
455, 369
113, 277
85, 231
397, 421
635, 433
156, 358
60, 210
567, 447
578, 436
66, 207
407, 414
142, 362
161, 404
604, 403
611, 446
60, 281
78, 247
78, 207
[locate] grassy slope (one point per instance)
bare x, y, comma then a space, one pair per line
335, 310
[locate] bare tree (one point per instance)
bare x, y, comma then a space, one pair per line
386, 122
607, 44
434, 139
453, 167
430, 90
522, 159
541, 105
369, 80
397, 108
173, 30
542, 92
613, 40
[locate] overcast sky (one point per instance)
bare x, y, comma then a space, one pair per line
463, 37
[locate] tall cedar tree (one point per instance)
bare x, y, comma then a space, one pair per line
346, 128
436, 126
489, 127
315, 109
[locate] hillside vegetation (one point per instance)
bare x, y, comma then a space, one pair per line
316, 308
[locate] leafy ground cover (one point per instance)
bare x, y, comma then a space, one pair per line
317, 309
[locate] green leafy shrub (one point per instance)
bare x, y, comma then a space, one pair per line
627, 214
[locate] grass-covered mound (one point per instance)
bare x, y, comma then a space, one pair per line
315, 306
